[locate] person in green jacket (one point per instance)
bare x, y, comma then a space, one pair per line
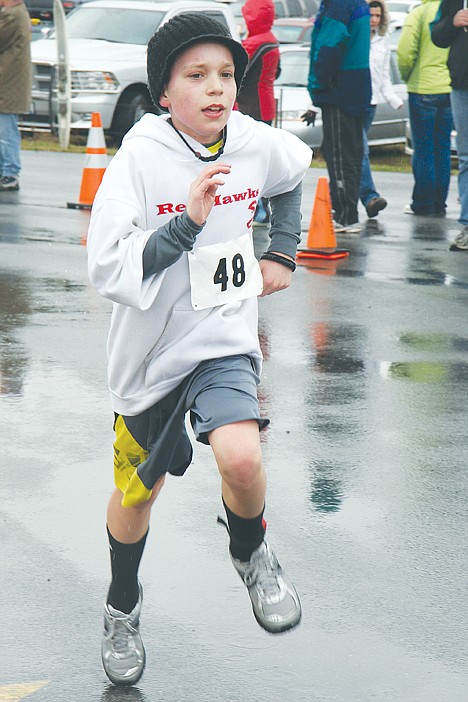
423, 67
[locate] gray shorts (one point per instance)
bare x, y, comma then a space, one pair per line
218, 392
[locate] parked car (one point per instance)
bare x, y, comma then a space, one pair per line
293, 30
44, 9
296, 8
39, 28
395, 34
398, 10
293, 100
107, 47
236, 8
283, 9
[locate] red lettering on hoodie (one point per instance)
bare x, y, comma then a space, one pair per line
249, 194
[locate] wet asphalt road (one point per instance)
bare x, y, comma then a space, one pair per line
366, 383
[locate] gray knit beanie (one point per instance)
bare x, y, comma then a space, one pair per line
178, 34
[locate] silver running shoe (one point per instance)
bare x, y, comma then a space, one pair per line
122, 650
275, 602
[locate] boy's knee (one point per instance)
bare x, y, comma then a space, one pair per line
241, 469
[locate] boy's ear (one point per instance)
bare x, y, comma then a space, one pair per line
164, 100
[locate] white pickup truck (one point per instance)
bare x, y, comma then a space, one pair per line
107, 48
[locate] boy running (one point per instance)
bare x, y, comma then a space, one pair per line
170, 243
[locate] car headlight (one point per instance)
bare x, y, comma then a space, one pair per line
99, 81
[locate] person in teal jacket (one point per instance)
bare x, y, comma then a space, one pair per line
340, 84
423, 67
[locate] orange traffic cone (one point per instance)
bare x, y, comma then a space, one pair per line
94, 167
321, 239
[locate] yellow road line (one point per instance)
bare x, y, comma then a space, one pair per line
15, 693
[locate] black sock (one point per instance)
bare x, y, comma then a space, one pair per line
125, 560
246, 534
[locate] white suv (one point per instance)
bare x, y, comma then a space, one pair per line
107, 48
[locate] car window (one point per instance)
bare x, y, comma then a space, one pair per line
398, 6
126, 26
294, 8
311, 7
236, 7
291, 34
294, 69
218, 16
279, 9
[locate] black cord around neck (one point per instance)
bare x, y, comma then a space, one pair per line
205, 159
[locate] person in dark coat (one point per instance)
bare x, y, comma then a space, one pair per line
15, 86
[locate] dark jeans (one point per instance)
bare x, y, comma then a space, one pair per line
431, 124
367, 190
342, 149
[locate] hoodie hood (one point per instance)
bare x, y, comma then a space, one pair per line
259, 16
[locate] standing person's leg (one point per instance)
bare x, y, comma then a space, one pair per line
459, 101
10, 146
368, 194
237, 451
342, 148
356, 146
2, 127
442, 163
367, 189
423, 110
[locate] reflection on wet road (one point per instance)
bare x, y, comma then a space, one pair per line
365, 381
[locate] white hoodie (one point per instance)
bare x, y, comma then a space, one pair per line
156, 338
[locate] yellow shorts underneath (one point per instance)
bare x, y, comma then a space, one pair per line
128, 454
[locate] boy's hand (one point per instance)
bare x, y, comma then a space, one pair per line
202, 191
275, 277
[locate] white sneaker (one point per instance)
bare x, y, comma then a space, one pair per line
348, 228
460, 243
408, 210
123, 653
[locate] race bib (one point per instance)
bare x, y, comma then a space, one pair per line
222, 273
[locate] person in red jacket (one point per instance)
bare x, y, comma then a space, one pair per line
256, 96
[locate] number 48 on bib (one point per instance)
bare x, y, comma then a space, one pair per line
223, 273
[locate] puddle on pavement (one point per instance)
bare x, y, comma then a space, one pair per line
425, 371
15, 310
434, 342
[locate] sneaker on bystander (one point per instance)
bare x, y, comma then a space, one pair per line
9, 183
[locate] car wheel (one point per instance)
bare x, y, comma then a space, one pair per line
131, 107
